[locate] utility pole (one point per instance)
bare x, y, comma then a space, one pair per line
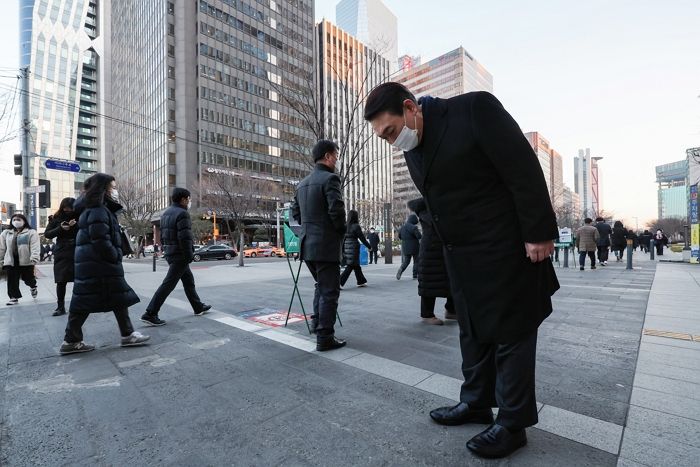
28, 202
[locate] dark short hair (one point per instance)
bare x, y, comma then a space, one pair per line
179, 194
599, 219
387, 97
587, 220
323, 147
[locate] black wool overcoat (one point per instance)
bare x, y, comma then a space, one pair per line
64, 251
487, 197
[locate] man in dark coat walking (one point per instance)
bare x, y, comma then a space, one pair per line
604, 232
318, 206
490, 207
410, 246
373, 239
178, 248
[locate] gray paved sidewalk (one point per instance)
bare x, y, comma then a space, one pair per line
213, 393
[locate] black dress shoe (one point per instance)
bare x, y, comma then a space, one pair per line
461, 414
329, 344
496, 442
204, 309
314, 326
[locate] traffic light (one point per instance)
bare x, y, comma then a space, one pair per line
18, 164
45, 197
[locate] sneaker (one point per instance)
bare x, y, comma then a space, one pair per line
60, 311
434, 320
204, 309
152, 320
12, 301
398, 274
592, 267
34, 291
364, 284
136, 338
582, 268
75, 347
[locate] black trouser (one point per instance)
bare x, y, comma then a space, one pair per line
427, 306
359, 277
659, 248
373, 255
74, 328
14, 274
406, 260
326, 293
178, 271
582, 258
602, 253
61, 293
498, 375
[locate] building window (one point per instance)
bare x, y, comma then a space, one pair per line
171, 8
171, 29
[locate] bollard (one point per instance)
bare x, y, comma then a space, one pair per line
651, 249
566, 257
629, 253
154, 261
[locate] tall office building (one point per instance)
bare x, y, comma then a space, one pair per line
373, 24
65, 44
348, 70
448, 75
551, 163
200, 84
672, 191
587, 182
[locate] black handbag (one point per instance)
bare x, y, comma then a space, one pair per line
126, 244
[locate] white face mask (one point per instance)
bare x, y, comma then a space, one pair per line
114, 194
189, 205
18, 223
408, 138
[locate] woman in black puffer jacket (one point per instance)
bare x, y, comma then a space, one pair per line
351, 250
618, 239
99, 276
433, 281
64, 228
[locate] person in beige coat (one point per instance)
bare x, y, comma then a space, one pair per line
19, 252
587, 242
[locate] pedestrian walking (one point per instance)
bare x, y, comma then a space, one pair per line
587, 238
64, 228
99, 275
178, 249
660, 241
490, 206
351, 250
410, 246
604, 232
632, 235
20, 251
318, 206
432, 274
618, 240
645, 241
373, 239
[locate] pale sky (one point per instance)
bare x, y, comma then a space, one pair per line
621, 77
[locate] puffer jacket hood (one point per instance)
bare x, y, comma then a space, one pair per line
412, 219
417, 205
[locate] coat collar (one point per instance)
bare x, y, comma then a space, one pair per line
434, 127
323, 167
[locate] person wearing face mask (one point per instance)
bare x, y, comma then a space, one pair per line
99, 284
373, 239
490, 207
660, 241
20, 250
178, 248
318, 206
64, 228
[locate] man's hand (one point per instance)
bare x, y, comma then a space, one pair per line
539, 251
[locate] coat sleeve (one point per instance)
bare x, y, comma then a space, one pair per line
3, 248
596, 235
100, 235
184, 235
294, 210
577, 240
361, 237
501, 139
336, 206
417, 233
34, 247
53, 229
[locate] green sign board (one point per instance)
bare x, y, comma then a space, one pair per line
291, 241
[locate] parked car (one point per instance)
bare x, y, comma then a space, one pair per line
214, 252
279, 252
148, 249
255, 252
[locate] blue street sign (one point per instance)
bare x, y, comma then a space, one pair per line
67, 166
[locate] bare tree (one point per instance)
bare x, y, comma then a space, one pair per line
200, 228
237, 197
138, 208
673, 227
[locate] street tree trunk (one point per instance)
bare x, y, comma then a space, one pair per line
240, 248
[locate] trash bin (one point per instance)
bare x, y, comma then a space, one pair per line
364, 255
